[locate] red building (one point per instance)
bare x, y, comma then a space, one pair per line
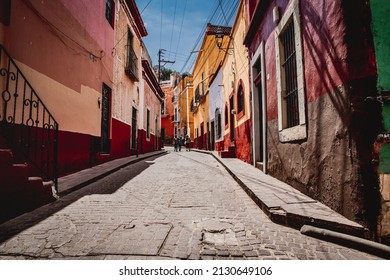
167, 110
313, 72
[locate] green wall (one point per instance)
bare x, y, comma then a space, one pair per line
380, 10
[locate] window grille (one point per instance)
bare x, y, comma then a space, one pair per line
289, 68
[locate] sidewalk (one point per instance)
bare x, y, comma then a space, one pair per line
87, 176
282, 203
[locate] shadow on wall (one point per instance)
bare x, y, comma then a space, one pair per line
334, 164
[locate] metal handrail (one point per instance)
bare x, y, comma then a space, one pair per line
25, 121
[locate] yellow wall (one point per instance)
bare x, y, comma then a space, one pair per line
208, 60
236, 67
74, 111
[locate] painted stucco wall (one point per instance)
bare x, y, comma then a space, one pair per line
125, 90
333, 163
207, 62
166, 120
216, 100
64, 62
380, 9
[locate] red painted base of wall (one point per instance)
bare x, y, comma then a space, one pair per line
148, 145
77, 151
242, 144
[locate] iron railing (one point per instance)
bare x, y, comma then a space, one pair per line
25, 122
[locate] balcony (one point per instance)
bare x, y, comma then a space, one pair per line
194, 105
199, 93
131, 68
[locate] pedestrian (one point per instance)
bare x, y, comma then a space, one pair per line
188, 143
180, 143
175, 144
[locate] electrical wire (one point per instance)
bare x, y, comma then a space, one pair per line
181, 27
173, 28
146, 6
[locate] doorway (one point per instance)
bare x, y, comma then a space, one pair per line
231, 113
105, 121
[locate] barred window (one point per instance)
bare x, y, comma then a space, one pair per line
289, 69
290, 76
110, 8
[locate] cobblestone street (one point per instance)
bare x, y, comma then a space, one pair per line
181, 205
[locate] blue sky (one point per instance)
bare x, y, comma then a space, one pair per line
176, 25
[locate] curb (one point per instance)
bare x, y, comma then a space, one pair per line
349, 236
106, 173
354, 242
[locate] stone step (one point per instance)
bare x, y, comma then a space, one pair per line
6, 158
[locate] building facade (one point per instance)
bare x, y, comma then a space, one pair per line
207, 63
380, 29
236, 89
63, 49
312, 73
75, 82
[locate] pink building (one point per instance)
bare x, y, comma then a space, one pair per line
313, 71
77, 90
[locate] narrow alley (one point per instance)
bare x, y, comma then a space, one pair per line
181, 205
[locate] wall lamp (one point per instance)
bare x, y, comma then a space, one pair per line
219, 35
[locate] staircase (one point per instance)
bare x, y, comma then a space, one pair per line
230, 153
28, 144
19, 192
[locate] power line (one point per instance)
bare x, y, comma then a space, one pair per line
146, 6
181, 27
173, 27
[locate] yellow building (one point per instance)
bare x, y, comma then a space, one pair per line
236, 93
206, 65
183, 96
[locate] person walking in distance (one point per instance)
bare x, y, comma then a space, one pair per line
180, 143
188, 143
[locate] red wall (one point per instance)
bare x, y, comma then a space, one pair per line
120, 142
330, 57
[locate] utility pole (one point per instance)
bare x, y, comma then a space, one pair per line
161, 60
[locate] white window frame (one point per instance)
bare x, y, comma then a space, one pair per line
297, 132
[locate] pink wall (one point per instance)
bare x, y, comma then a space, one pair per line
56, 41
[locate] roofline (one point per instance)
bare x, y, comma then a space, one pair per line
136, 16
152, 77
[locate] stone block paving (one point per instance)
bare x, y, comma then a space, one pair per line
183, 205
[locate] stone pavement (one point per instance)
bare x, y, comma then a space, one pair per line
176, 206
74, 181
282, 203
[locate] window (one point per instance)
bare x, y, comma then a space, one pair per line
226, 115
290, 81
163, 107
110, 8
134, 129
5, 12
240, 98
147, 123
131, 67
218, 123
